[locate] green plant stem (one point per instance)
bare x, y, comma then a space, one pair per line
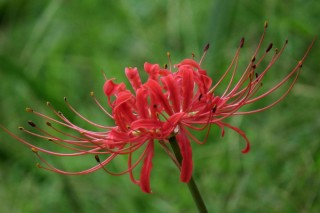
191, 184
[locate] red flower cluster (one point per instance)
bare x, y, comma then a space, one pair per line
169, 104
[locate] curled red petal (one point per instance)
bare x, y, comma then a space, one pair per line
123, 110
157, 92
186, 152
189, 62
187, 87
204, 82
110, 88
124, 97
152, 70
172, 122
134, 78
172, 86
146, 168
142, 102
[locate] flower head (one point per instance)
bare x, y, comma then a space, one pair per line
168, 105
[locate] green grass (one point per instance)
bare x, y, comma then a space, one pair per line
52, 49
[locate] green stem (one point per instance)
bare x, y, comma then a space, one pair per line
191, 184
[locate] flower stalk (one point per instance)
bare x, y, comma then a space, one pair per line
196, 195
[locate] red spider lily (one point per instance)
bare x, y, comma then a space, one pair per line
168, 105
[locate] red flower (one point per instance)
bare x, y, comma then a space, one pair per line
166, 106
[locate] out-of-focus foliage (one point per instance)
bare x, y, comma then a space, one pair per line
52, 49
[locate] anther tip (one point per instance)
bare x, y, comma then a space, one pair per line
97, 158
241, 42
266, 24
91, 93
269, 47
206, 47
65, 98
28, 109
214, 108
31, 124
20, 128
35, 150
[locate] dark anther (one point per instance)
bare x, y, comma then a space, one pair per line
65, 98
269, 47
97, 158
155, 106
241, 42
28, 109
31, 124
166, 66
257, 75
48, 123
254, 66
214, 109
206, 47
200, 96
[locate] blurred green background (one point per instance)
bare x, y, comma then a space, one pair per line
52, 49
